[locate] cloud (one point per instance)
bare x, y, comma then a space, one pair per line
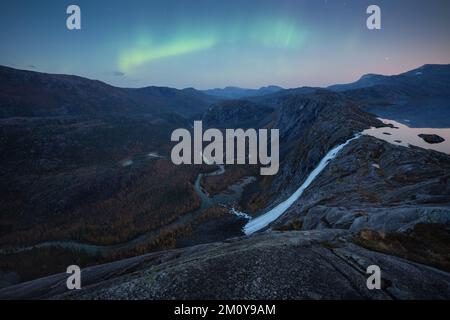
32, 66
118, 74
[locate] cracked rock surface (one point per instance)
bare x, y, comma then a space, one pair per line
319, 264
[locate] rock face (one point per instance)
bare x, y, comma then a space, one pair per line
237, 114
432, 138
310, 125
376, 185
319, 264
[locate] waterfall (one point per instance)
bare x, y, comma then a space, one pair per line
266, 218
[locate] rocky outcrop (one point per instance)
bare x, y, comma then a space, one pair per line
321, 264
432, 138
376, 185
310, 126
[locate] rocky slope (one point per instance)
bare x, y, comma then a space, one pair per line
237, 114
78, 152
28, 93
310, 125
321, 264
376, 185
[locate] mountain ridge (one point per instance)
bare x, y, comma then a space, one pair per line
371, 79
54, 94
104, 157
231, 92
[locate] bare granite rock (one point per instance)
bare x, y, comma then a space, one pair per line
376, 185
319, 264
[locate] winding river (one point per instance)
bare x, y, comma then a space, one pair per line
227, 198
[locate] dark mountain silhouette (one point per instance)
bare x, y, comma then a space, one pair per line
276, 98
420, 97
239, 93
27, 93
433, 79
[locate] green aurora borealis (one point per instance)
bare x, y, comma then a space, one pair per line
206, 43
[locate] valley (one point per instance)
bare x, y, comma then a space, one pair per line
87, 179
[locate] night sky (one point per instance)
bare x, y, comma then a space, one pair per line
208, 44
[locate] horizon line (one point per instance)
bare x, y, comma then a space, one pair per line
217, 88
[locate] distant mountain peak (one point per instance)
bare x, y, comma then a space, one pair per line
271, 87
370, 76
231, 92
433, 72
